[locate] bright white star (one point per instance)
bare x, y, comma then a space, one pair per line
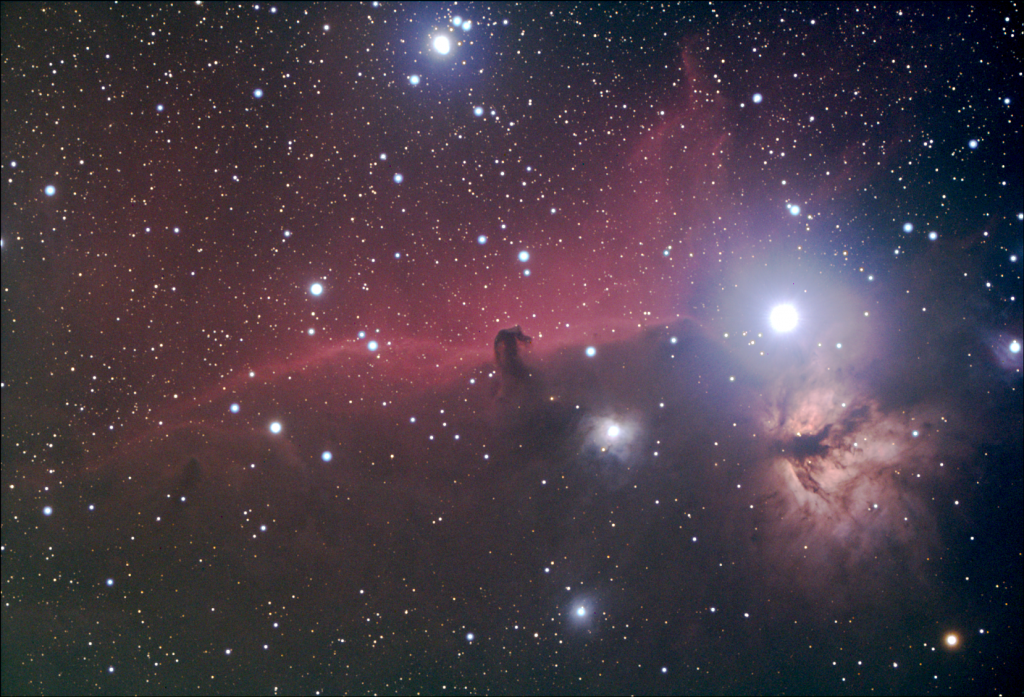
784, 318
442, 45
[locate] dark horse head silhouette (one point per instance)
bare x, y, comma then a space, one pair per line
506, 351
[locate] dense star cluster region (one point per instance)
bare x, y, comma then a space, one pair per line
512, 348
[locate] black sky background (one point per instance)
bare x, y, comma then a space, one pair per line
703, 506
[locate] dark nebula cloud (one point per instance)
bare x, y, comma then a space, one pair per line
469, 383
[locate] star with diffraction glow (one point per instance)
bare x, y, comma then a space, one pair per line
784, 318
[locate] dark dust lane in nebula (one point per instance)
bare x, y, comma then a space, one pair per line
566, 348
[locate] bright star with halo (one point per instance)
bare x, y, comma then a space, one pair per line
442, 45
784, 318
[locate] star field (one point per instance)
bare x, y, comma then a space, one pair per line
268, 428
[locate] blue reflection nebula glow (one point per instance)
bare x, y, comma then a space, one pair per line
1015, 347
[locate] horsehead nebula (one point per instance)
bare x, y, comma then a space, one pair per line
523, 348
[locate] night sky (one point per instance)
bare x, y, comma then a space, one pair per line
760, 432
